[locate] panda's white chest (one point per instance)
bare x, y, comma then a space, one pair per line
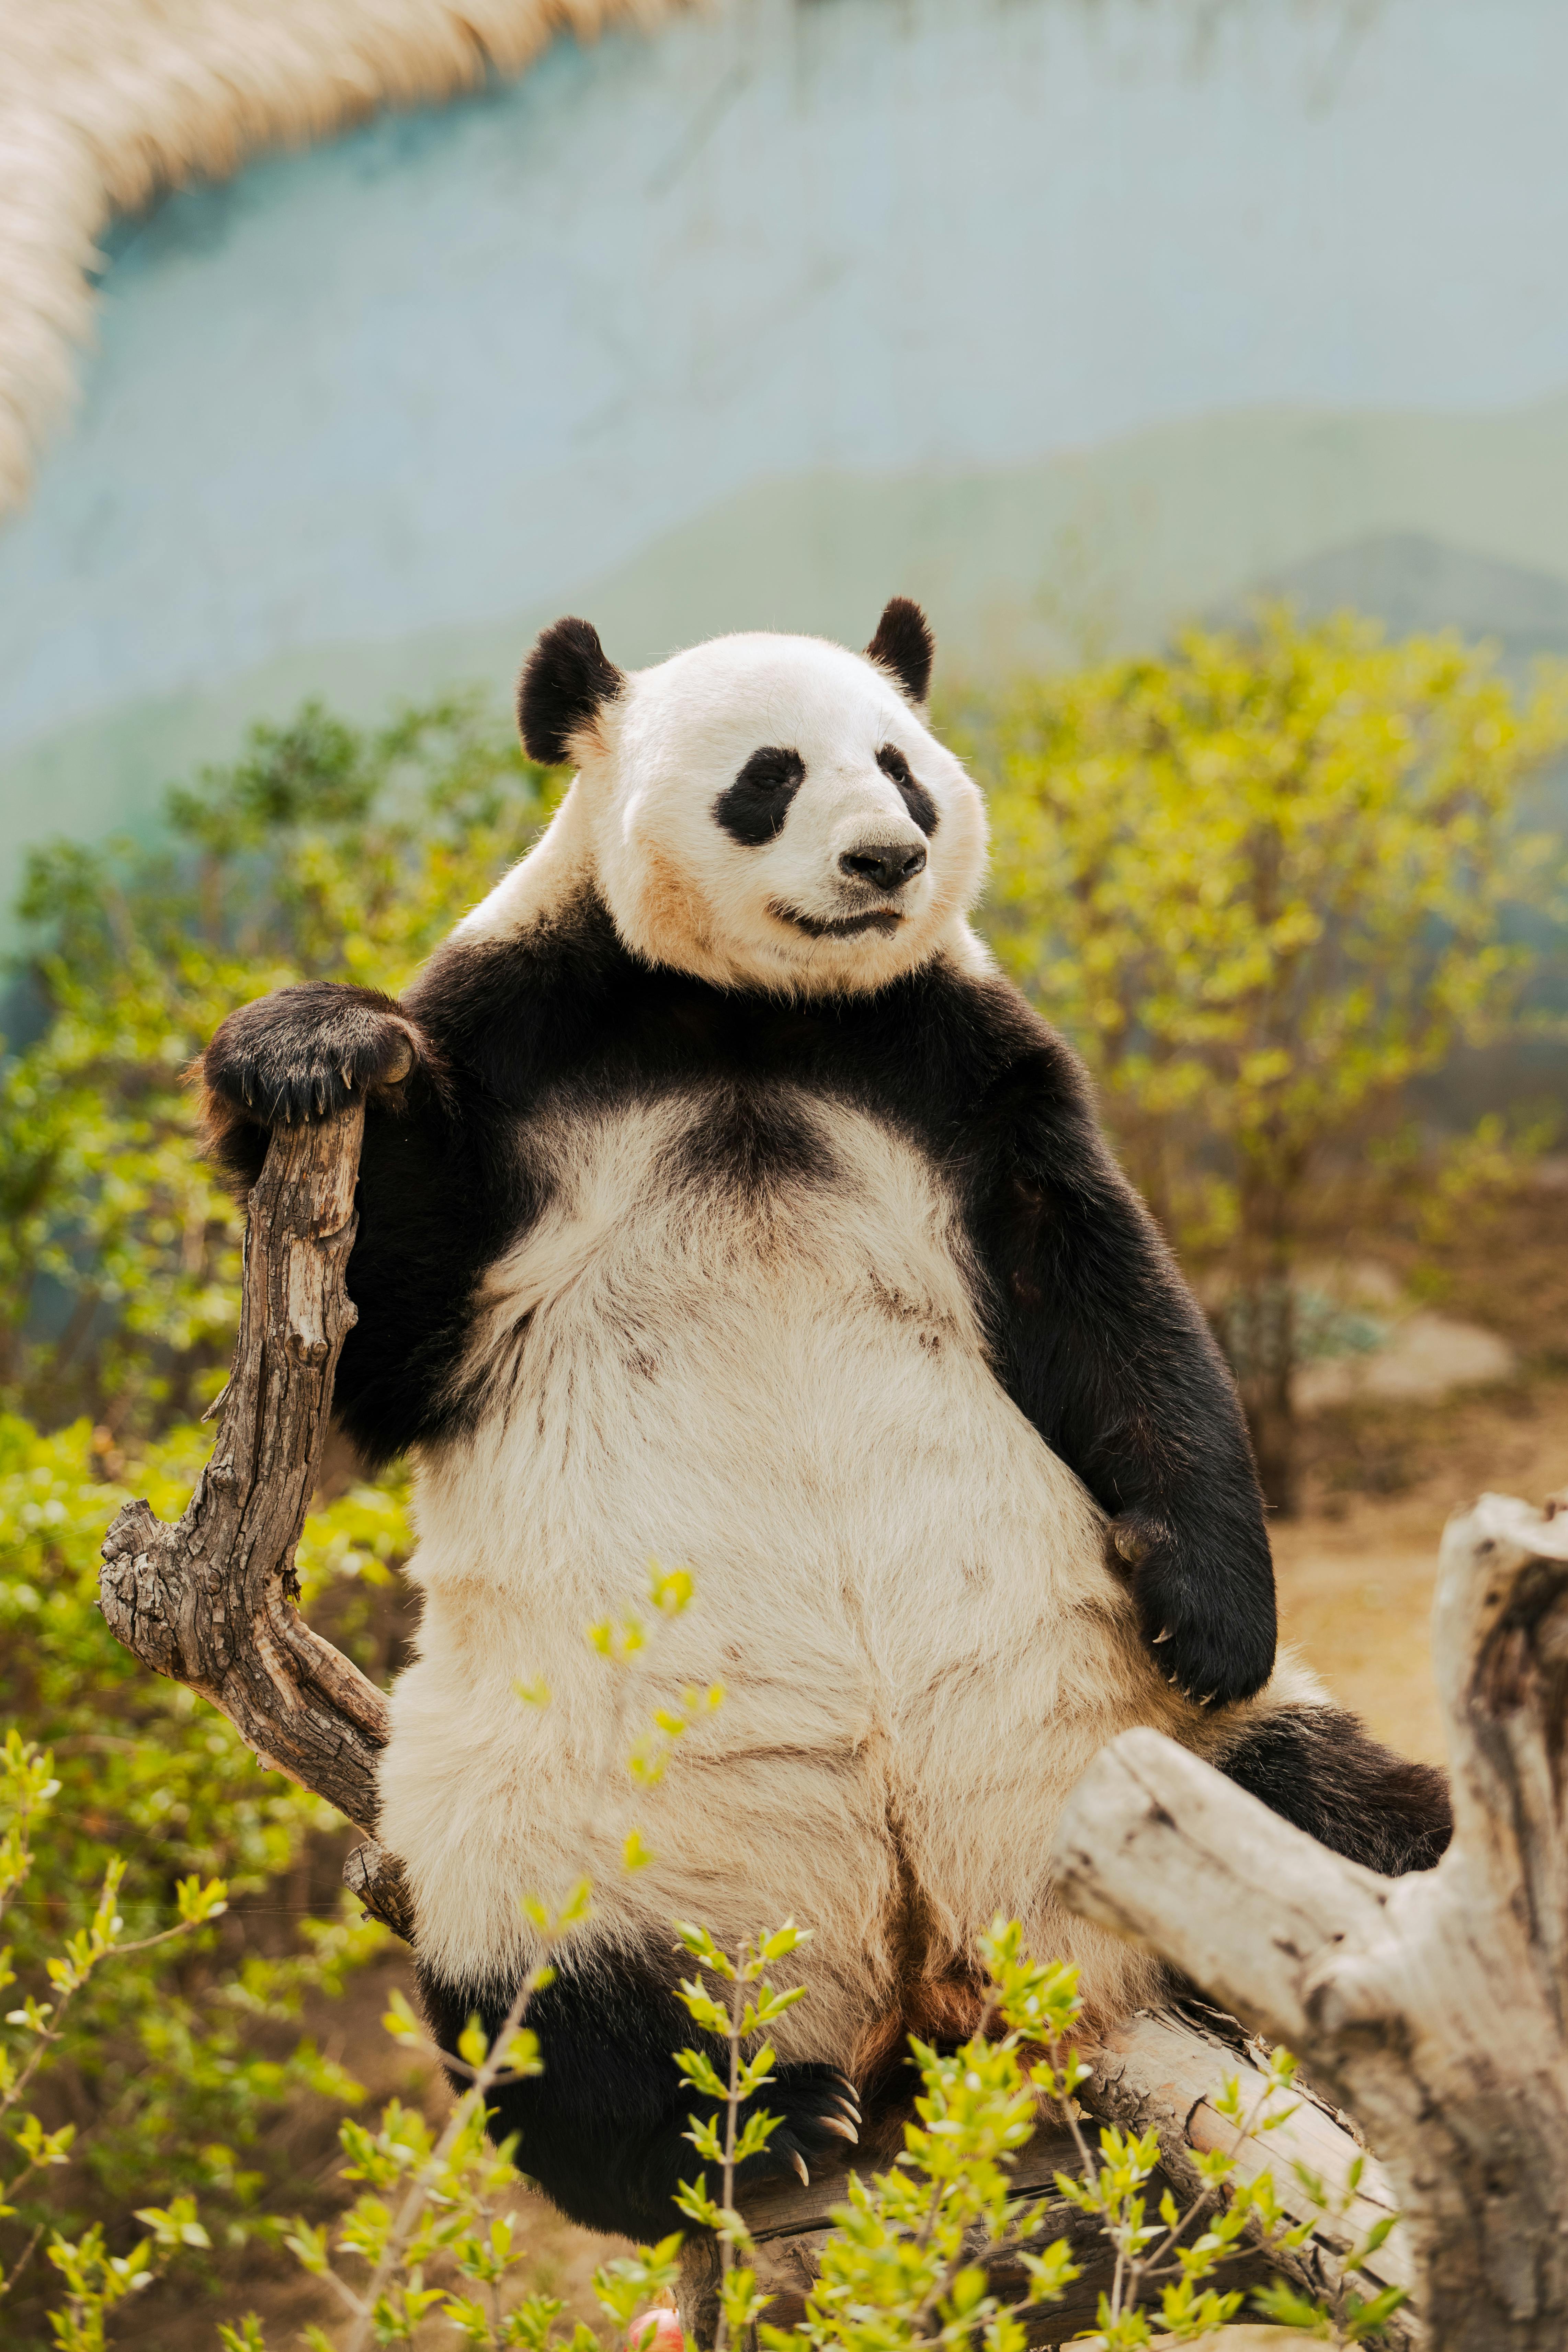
742, 1337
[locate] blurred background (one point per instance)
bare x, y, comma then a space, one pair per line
1201, 365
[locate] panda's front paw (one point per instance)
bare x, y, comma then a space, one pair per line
1211, 1632
306, 1052
819, 2115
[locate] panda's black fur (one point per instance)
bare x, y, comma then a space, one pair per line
1090, 1332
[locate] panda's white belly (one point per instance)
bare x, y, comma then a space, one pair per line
782, 1385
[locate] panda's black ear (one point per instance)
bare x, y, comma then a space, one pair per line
904, 645
567, 680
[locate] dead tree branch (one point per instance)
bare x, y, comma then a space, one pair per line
211, 1600
1432, 2005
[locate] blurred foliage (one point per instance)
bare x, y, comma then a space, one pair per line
323, 851
164, 2066
1262, 883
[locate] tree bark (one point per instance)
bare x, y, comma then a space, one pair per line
211, 1600
1432, 2005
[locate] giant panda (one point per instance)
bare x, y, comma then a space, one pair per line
721, 1205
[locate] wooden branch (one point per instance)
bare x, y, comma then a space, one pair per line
1431, 2005
211, 1602
1161, 2069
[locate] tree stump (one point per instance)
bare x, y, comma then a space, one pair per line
1432, 2005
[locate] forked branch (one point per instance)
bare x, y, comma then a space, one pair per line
211, 1602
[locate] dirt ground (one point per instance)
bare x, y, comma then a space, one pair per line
1356, 1570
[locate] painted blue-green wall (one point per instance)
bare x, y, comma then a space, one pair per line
1061, 315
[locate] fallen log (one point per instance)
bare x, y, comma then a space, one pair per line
1432, 2006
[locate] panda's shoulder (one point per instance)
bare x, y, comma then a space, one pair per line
965, 1037
504, 1008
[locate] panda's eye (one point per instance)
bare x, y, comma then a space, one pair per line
753, 808
772, 767
917, 800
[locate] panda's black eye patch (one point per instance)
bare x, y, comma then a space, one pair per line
753, 808
917, 800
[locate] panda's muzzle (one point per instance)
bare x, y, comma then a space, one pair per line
885, 868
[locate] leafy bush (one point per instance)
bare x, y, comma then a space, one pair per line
164, 2065
322, 852
1262, 883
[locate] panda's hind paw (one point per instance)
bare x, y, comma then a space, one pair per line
819, 2114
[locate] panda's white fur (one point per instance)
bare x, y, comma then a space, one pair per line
904, 1593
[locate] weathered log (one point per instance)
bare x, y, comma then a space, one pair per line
211, 1600
1432, 2005
1161, 2070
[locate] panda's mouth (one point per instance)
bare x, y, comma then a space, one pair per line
885, 920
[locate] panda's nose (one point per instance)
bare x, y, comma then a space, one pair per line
888, 864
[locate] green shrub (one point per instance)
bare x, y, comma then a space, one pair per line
160, 2058
1262, 882
323, 851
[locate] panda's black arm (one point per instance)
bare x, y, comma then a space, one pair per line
1102, 1345
428, 1208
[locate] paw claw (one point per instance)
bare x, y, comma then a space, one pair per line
798, 2161
842, 2128
1162, 1635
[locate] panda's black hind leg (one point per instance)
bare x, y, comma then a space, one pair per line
603, 2130
1322, 1769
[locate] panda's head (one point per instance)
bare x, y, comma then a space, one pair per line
764, 811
